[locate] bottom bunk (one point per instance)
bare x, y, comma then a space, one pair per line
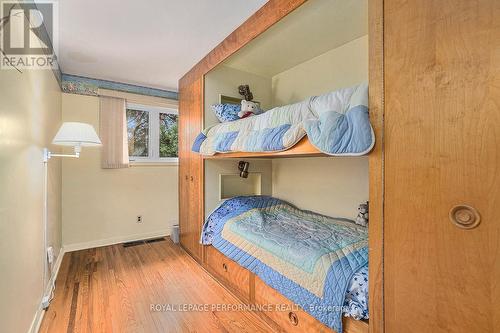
278, 311
317, 265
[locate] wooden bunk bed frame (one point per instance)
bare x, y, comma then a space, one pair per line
241, 282
303, 148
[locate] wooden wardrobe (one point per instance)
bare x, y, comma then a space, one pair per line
434, 232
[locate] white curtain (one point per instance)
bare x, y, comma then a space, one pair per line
113, 132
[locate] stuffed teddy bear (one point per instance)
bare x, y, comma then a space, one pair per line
248, 108
362, 218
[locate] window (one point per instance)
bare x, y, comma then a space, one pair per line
152, 133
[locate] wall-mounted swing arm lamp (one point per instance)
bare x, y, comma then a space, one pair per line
73, 134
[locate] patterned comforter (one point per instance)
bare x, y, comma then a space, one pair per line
313, 260
336, 123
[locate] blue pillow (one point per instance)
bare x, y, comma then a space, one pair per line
226, 112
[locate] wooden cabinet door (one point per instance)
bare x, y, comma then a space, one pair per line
190, 196
442, 148
184, 108
196, 202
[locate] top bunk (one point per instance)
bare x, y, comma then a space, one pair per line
303, 148
335, 123
319, 49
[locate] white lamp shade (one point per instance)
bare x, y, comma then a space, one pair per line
76, 134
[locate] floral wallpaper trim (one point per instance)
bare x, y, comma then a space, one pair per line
74, 84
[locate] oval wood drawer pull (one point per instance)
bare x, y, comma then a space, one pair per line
192, 178
224, 266
465, 217
294, 320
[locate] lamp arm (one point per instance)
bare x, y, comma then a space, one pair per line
47, 154
76, 155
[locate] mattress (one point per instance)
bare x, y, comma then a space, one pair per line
318, 262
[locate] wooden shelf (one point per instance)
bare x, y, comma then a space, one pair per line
303, 148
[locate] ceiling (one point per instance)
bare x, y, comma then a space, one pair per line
152, 43
313, 29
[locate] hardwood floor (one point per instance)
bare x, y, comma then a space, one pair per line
113, 289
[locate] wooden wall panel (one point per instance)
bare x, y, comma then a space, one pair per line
442, 139
376, 165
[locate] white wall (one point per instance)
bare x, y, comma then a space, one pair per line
213, 168
30, 114
100, 206
341, 67
333, 185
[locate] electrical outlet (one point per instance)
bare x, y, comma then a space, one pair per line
139, 219
50, 254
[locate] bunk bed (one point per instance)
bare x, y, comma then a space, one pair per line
334, 123
314, 263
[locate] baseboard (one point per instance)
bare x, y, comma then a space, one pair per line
114, 240
37, 320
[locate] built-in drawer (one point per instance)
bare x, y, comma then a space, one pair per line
231, 274
291, 318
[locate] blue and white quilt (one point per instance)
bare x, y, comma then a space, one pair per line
313, 260
336, 123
